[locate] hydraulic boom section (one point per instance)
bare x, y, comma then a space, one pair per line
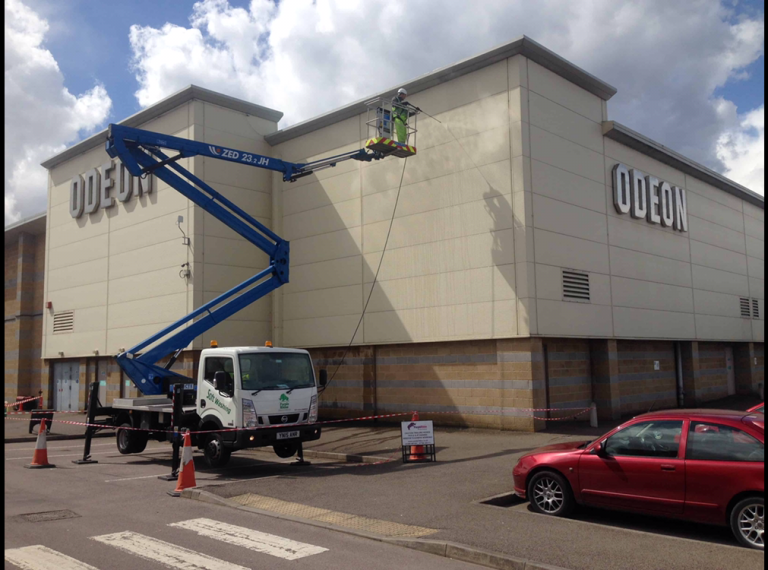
141, 154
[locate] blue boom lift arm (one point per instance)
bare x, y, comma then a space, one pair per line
141, 154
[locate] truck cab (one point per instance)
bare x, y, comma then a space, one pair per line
273, 390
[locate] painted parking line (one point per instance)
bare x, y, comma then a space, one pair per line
163, 552
39, 557
251, 539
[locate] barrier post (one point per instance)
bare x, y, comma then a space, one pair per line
176, 412
93, 404
593, 415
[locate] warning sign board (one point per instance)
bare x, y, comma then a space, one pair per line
417, 433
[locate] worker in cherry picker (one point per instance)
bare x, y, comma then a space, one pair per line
401, 110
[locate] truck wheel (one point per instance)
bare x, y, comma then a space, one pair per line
285, 450
216, 455
125, 439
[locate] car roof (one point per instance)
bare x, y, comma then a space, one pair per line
735, 415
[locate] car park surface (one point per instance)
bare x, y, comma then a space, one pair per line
704, 466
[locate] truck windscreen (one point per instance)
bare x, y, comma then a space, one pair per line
276, 371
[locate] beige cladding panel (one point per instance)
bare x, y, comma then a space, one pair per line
324, 247
633, 293
646, 323
556, 216
753, 211
754, 228
259, 311
321, 193
714, 234
634, 265
719, 281
755, 267
323, 303
718, 258
158, 310
561, 91
78, 252
573, 319
755, 247
757, 288
716, 304
570, 252
640, 236
723, 328
572, 157
565, 123
562, 185
712, 211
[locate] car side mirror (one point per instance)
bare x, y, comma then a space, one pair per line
599, 450
323, 377
221, 382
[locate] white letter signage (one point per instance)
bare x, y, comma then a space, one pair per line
645, 196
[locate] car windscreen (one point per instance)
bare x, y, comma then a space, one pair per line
275, 371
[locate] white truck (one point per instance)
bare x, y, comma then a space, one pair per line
273, 390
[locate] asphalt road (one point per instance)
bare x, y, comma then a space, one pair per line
123, 520
122, 493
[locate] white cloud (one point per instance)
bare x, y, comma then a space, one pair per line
306, 57
742, 149
41, 116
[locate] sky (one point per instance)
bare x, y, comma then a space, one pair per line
689, 74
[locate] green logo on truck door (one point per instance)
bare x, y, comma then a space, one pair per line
218, 402
284, 402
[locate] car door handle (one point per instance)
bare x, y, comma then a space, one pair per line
667, 467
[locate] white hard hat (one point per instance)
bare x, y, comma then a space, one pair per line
403, 91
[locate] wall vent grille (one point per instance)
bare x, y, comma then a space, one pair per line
575, 286
755, 309
744, 304
63, 322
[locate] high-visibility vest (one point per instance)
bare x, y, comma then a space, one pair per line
399, 113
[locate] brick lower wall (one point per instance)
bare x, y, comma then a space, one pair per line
475, 383
640, 385
569, 375
713, 372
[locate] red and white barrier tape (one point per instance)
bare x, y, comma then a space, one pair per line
326, 422
14, 404
278, 426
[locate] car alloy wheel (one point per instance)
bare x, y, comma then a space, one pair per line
548, 495
751, 520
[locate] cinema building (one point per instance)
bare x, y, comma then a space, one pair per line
541, 254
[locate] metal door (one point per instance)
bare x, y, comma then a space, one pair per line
66, 377
730, 370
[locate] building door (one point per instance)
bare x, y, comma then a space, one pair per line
730, 370
66, 378
101, 378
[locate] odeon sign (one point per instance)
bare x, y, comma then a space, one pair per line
90, 191
643, 196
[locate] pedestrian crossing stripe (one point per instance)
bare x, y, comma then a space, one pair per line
251, 539
163, 552
39, 557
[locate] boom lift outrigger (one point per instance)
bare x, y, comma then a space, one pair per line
140, 152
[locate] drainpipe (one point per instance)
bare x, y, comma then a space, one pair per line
679, 368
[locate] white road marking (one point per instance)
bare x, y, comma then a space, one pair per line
39, 557
252, 539
142, 454
133, 478
163, 552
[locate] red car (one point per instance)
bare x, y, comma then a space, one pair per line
759, 408
700, 465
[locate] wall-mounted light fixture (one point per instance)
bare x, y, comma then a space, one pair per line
185, 240
61, 354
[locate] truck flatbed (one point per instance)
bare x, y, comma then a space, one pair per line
148, 404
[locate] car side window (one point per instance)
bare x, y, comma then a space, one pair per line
660, 438
214, 364
717, 442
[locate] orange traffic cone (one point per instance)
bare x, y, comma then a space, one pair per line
187, 470
40, 457
418, 453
